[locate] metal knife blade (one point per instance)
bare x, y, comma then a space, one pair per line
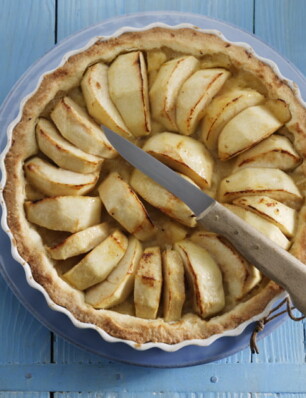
197, 200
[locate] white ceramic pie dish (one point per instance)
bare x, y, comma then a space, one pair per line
34, 284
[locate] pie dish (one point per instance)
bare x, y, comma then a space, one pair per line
58, 91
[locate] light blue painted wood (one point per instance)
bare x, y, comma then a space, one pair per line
78, 14
118, 378
31, 394
281, 23
26, 33
157, 394
23, 339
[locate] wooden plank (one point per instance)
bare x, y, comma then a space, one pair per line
74, 15
23, 339
30, 29
29, 394
284, 345
281, 23
154, 394
213, 378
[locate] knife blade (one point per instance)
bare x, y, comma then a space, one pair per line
272, 260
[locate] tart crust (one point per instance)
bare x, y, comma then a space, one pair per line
23, 145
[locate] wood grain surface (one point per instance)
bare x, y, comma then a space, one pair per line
33, 362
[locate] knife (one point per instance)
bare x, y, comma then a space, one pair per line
273, 261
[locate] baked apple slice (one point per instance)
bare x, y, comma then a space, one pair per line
95, 89
148, 284
164, 91
128, 88
120, 282
123, 204
238, 275
282, 216
54, 181
275, 151
77, 127
162, 199
260, 181
184, 154
65, 155
262, 225
222, 109
245, 130
195, 94
65, 213
204, 276
155, 59
174, 285
79, 242
98, 263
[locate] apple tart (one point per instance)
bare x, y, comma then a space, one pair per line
109, 244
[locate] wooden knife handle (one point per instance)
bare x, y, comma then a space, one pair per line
273, 261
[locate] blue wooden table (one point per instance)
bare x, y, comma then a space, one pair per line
36, 363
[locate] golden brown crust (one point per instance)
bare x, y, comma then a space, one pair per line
28, 241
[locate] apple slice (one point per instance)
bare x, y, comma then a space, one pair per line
204, 277
77, 127
276, 152
280, 109
65, 213
148, 284
162, 199
99, 104
128, 89
260, 181
65, 155
120, 282
98, 263
54, 181
195, 94
239, 276
165, 89
222, 109
184, 154
123, 205
262, 225
171, 232
282, 216
245, 130
79, 242
155, 59
174, 285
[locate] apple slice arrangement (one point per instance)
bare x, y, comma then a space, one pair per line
125, 241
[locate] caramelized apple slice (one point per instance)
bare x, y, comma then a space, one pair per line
245, 130
239, 276
162, 199
99, 104
79, 242
123, 205
78, 128
65, 155
120, 282
260, 181
98, 263
128, 88
282, 216
204, 276
65, 213
148, 284
174, 285
262, 225
54, 181
276, 152
222, 109
195, 94
184, 154
165, 89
